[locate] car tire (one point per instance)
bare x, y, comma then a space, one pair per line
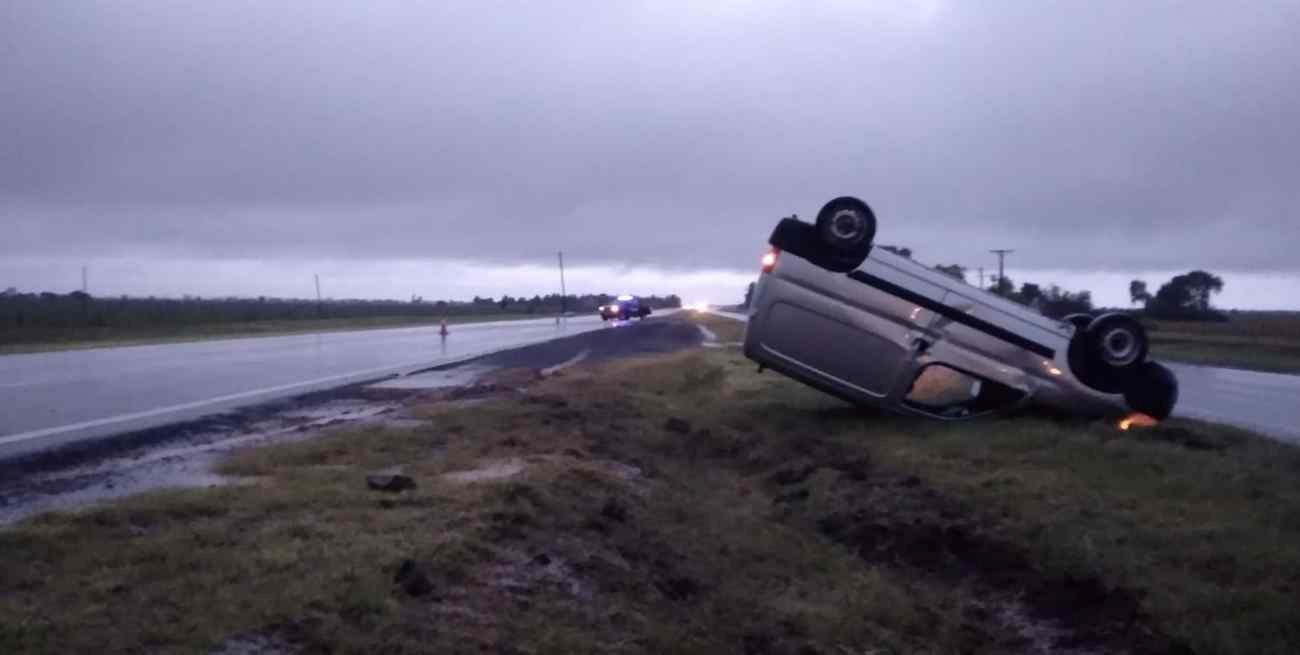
1152, 390
1107, 353
846, 228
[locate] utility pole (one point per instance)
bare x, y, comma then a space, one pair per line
85, 295
563, 291
981, 277
320, 306
1002, 254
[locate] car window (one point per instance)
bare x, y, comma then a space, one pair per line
949, 393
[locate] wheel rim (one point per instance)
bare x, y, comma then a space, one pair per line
848, 226
1119, 347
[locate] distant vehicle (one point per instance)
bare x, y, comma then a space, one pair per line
625, 308
879, 329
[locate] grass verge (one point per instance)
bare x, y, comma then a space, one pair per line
687, 504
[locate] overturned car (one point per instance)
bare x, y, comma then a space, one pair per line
877, 328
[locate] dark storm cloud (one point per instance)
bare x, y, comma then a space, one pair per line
1086, 136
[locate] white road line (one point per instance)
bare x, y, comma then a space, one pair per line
709, 336
731, 315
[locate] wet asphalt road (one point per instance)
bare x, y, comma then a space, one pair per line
1265, 402
50, 399
1268, 403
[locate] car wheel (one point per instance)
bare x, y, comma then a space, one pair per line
1152, 390
846, 226
1108, 352
1117, 340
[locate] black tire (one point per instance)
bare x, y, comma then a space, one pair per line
1107, 353
799, 238
1080, 321
846, 226
1117, 340
1152, 390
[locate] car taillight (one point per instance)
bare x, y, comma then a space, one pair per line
769, 260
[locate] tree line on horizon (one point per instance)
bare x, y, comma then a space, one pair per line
47, 310
1186, 297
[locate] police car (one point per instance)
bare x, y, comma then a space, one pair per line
625, 308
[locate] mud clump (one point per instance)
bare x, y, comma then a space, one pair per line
678, 588
412, 579
1085, 601
509, 526
553, 401
792, 475
784, 638
391, 483
792, 497
678, 425
856, 469
614, 511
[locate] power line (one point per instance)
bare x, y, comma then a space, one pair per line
320, 306
563, 291
85, 294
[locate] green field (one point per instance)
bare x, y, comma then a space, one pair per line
1257, 342
686, 504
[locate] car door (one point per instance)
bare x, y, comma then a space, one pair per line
860, 336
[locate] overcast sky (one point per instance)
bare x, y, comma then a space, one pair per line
449, 149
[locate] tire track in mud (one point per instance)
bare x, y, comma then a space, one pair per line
899, 521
